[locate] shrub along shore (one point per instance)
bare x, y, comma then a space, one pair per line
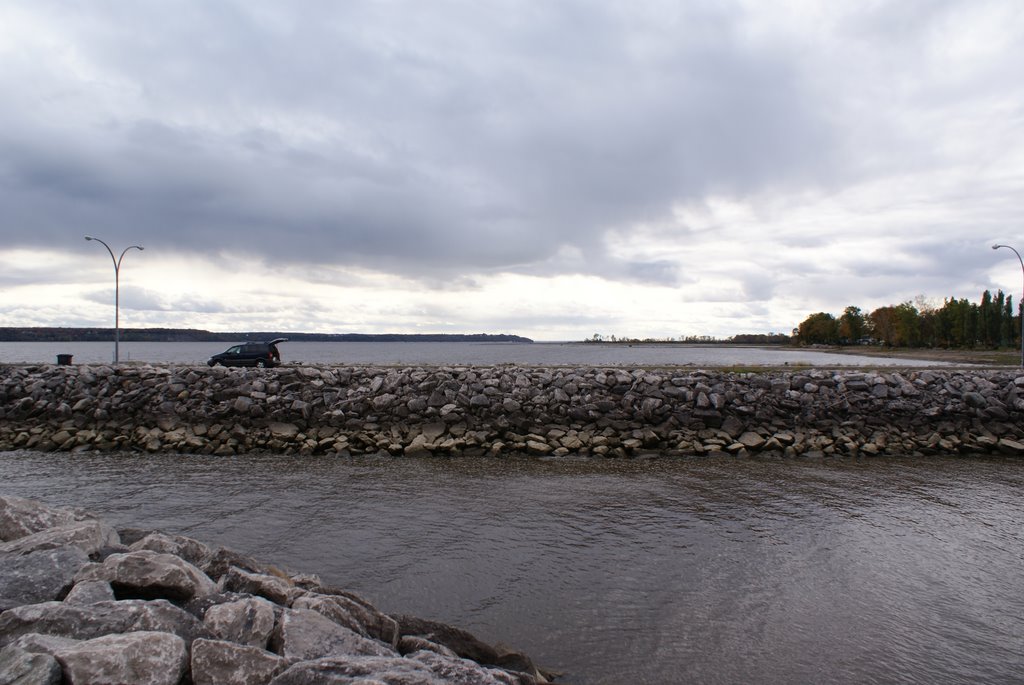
510, 410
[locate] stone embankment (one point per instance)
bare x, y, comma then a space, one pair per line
81, 602
505, 410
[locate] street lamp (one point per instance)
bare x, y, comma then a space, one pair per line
1020, 305
117, 291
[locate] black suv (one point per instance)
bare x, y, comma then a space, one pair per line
250, 354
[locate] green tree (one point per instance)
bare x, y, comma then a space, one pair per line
852, 325
996, 327
883, 324
818, 329
1009, 330
908, 325
985, 319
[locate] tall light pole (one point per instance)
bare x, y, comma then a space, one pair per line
1020, 305
117, 291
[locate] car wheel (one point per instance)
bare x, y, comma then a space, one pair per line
261, 363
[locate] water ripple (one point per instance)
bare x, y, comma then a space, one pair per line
653, 571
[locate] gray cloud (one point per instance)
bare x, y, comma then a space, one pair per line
434, 141
447, 141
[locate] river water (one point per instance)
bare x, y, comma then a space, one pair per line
640, 571
463, 353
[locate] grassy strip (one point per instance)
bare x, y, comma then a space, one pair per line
984, 357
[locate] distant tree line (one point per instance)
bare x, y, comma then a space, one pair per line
739, 339
958, 323
198, 335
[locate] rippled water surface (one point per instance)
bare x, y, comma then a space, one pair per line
436, 354
643, 571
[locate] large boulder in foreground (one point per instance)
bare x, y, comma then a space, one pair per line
219, 662
147, 657
93, 537
303, 634
192, 551
20, 517
85, 622
19, 667
145, 574
353, 614
248, 621
40, 576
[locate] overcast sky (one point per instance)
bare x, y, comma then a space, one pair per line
552, 168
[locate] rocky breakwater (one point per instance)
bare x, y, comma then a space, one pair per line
511, 410
81, 602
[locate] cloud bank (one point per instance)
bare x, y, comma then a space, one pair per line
772, 156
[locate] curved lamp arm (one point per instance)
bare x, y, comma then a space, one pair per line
117, 290
1020, 304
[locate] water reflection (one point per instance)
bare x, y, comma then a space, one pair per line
653, 571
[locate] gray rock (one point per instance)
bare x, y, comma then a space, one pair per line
37, 403
90, 536
130, 535
733, 426
332, 610
417, 448
975, 400
433, 431
95, 620
304, 634
1011, 446
458, 640
20, 517
751, 440
469, 647
460, 671
40, 576
284, 430
383, 401
346, 670
19, 667
219, 662
411, 643
154, 658
148, 575
190, 550
277, 590
222, 559
354, 614
248, 621
38, 643
90, 592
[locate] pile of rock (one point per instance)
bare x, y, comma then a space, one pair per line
81, 602
476, 411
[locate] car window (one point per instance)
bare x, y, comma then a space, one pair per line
237, 349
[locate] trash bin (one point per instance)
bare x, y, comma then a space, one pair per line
63, 359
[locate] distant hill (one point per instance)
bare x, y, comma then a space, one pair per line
198, 335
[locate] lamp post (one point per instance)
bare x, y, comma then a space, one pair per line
117, 291
1020, 305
